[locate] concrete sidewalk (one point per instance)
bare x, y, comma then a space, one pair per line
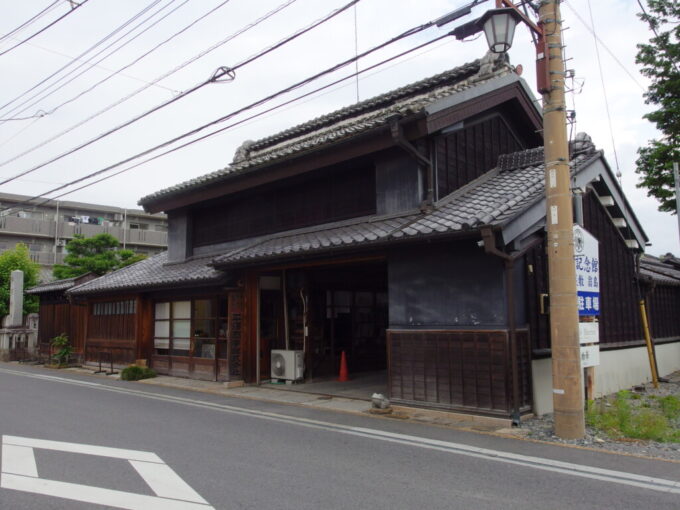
282, 395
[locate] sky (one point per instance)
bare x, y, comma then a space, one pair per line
63, 113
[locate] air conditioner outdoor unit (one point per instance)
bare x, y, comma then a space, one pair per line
287, 365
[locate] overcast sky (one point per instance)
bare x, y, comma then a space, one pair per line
22, 68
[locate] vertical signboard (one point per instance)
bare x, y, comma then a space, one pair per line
587, 261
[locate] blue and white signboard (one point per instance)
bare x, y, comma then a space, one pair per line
587, 261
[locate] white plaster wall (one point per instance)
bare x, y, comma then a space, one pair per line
618, 370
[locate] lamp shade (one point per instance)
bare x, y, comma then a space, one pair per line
499, 28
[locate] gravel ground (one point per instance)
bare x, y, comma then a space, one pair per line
541, 428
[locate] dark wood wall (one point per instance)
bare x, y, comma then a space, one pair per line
340, 192
620, 324
619, 297
112, 334
663, 311
460, 370
466, 154
57, 317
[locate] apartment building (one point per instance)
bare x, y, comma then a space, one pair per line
47, 227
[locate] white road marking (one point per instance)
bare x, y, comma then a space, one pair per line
165, 482
19, 472
18, 460
580, 470
95, 495
83, 449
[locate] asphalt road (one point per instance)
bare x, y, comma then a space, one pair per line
79, 442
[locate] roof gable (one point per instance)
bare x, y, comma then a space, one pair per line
346, 124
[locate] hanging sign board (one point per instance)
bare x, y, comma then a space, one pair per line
589, 332
587, 262
590, 356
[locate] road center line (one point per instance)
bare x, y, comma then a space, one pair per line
620, 477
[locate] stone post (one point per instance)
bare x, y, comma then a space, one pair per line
15, 319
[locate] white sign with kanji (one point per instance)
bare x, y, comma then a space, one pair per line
587, 262
590, 356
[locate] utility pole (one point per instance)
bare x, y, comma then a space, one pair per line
677, 193
499, 27
566, 358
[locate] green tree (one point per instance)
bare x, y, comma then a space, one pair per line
11, 260
660, 60
98, 254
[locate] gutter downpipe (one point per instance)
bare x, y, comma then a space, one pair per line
509, 263
399, 139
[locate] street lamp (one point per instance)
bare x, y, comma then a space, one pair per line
499, 28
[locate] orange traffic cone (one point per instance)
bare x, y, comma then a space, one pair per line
344, 374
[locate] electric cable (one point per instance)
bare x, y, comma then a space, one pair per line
155, 81
57, 85
103, 68
262, 101
23, 41
30, 20
88, 50
144, 55
604, 93
220, 73
26, 127
611, 54
656, 33
241, 122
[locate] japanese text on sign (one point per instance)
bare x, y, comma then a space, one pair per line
587, 263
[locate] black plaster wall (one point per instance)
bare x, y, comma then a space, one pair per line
445, 285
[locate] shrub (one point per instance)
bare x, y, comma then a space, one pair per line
135, 373
63, 349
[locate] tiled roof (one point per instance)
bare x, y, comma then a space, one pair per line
55, 286
346, 234
658, 270
340, 125
153, 272
493, 199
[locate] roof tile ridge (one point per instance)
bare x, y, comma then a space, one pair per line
371, 103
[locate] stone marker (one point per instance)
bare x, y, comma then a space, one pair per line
15, 319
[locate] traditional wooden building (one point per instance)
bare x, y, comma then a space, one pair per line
406, 230
61, 315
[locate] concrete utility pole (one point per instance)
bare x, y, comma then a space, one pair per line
566, 358
499, 27
677, 193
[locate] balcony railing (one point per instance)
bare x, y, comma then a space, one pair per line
46, 228
46, 258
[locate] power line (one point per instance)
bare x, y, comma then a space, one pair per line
127, 66
73, 9
220, 73
104, 68
611, 54
65, 66
238, 123
30, 20
653, 27
260, 102
200, 55
56, 86
604, 92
